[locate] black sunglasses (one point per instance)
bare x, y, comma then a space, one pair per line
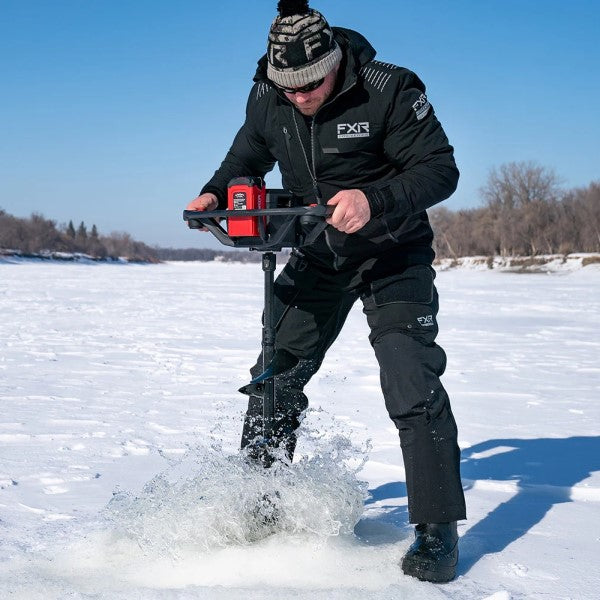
309, 87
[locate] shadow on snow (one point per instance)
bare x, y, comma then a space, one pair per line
543, 470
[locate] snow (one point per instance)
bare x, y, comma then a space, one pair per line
119, 476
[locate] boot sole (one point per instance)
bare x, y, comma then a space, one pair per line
416, 569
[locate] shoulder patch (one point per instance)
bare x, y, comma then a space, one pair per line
421, 107
377, 73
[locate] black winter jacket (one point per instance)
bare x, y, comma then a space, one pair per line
377, 133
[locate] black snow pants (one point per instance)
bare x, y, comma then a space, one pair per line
401, 308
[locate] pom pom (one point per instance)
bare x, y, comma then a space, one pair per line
287, 8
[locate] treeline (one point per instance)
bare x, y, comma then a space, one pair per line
525, 213
205, 254
37, 235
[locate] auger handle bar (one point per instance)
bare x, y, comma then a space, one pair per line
287, 227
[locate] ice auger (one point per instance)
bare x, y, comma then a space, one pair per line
266, 221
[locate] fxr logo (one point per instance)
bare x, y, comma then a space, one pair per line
353, 130
426, 321
421, 107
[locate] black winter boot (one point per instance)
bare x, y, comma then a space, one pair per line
434, 553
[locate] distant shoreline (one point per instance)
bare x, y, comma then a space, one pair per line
543, 263
17, 257
546, 263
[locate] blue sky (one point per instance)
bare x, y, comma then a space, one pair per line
117, 112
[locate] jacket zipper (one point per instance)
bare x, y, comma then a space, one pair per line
287, 137
312, 158
311, 172
316, 187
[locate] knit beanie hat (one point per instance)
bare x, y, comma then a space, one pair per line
301, 47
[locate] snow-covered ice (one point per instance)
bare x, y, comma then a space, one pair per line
120, 419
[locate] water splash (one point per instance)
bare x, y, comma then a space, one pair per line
212, 499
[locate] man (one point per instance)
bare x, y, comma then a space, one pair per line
359, 135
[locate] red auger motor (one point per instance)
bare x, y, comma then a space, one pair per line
245, 193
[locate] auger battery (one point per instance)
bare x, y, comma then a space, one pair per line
245, 193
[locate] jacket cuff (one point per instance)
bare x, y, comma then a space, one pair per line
375, 200
387, 200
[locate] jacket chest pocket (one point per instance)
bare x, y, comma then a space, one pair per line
361, 137
353, 160
287, 157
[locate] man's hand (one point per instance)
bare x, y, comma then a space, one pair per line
203, 202
206, 201
352, 211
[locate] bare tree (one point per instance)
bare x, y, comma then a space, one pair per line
580, 220
43, 235
518, 196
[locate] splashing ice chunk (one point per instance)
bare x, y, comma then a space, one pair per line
211, 499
